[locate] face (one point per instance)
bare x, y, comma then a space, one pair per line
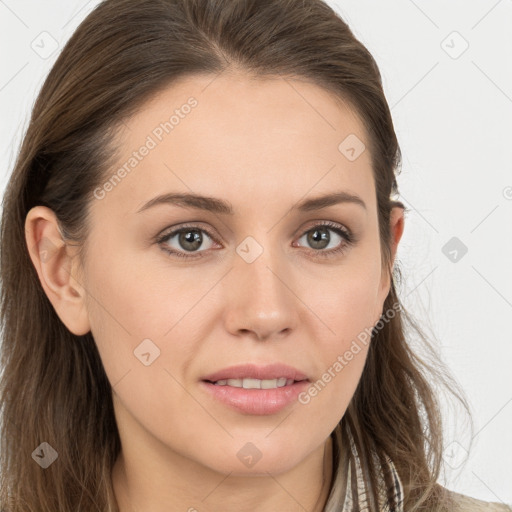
267, 282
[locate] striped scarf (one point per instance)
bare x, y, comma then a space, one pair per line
353, 491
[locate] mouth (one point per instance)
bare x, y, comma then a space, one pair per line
256, 390
249, 383
252, 376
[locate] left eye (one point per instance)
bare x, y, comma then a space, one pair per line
319, 237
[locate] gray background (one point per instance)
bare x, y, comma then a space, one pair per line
447, 72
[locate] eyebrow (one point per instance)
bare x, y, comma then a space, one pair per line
220, 206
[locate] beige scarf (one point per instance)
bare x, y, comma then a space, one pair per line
351, 492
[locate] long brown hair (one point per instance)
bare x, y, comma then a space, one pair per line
53, 386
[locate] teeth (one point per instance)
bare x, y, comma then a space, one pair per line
256, 383
252, 384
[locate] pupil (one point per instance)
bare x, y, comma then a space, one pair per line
193, 238
319, 236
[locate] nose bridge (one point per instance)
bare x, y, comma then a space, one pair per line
260, 289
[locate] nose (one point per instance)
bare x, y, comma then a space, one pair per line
261, 301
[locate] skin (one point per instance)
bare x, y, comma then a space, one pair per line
263, 146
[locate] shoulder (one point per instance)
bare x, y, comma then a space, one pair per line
463, 503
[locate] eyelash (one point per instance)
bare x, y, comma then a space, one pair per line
349, 239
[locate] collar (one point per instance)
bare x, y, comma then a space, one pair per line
351, 482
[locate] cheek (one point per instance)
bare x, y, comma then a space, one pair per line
143, 298
133, 314
346, 308
135, 311
346, 302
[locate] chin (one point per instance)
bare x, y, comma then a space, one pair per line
252, 459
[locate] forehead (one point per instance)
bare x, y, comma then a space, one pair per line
234, 136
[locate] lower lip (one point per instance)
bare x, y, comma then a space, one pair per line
256, 401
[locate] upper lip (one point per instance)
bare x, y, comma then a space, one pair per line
253, 371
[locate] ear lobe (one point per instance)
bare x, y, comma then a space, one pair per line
56, 265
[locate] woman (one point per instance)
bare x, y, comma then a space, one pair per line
198, 281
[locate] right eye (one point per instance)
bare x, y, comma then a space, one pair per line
188, 239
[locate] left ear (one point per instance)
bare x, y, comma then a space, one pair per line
396, 225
